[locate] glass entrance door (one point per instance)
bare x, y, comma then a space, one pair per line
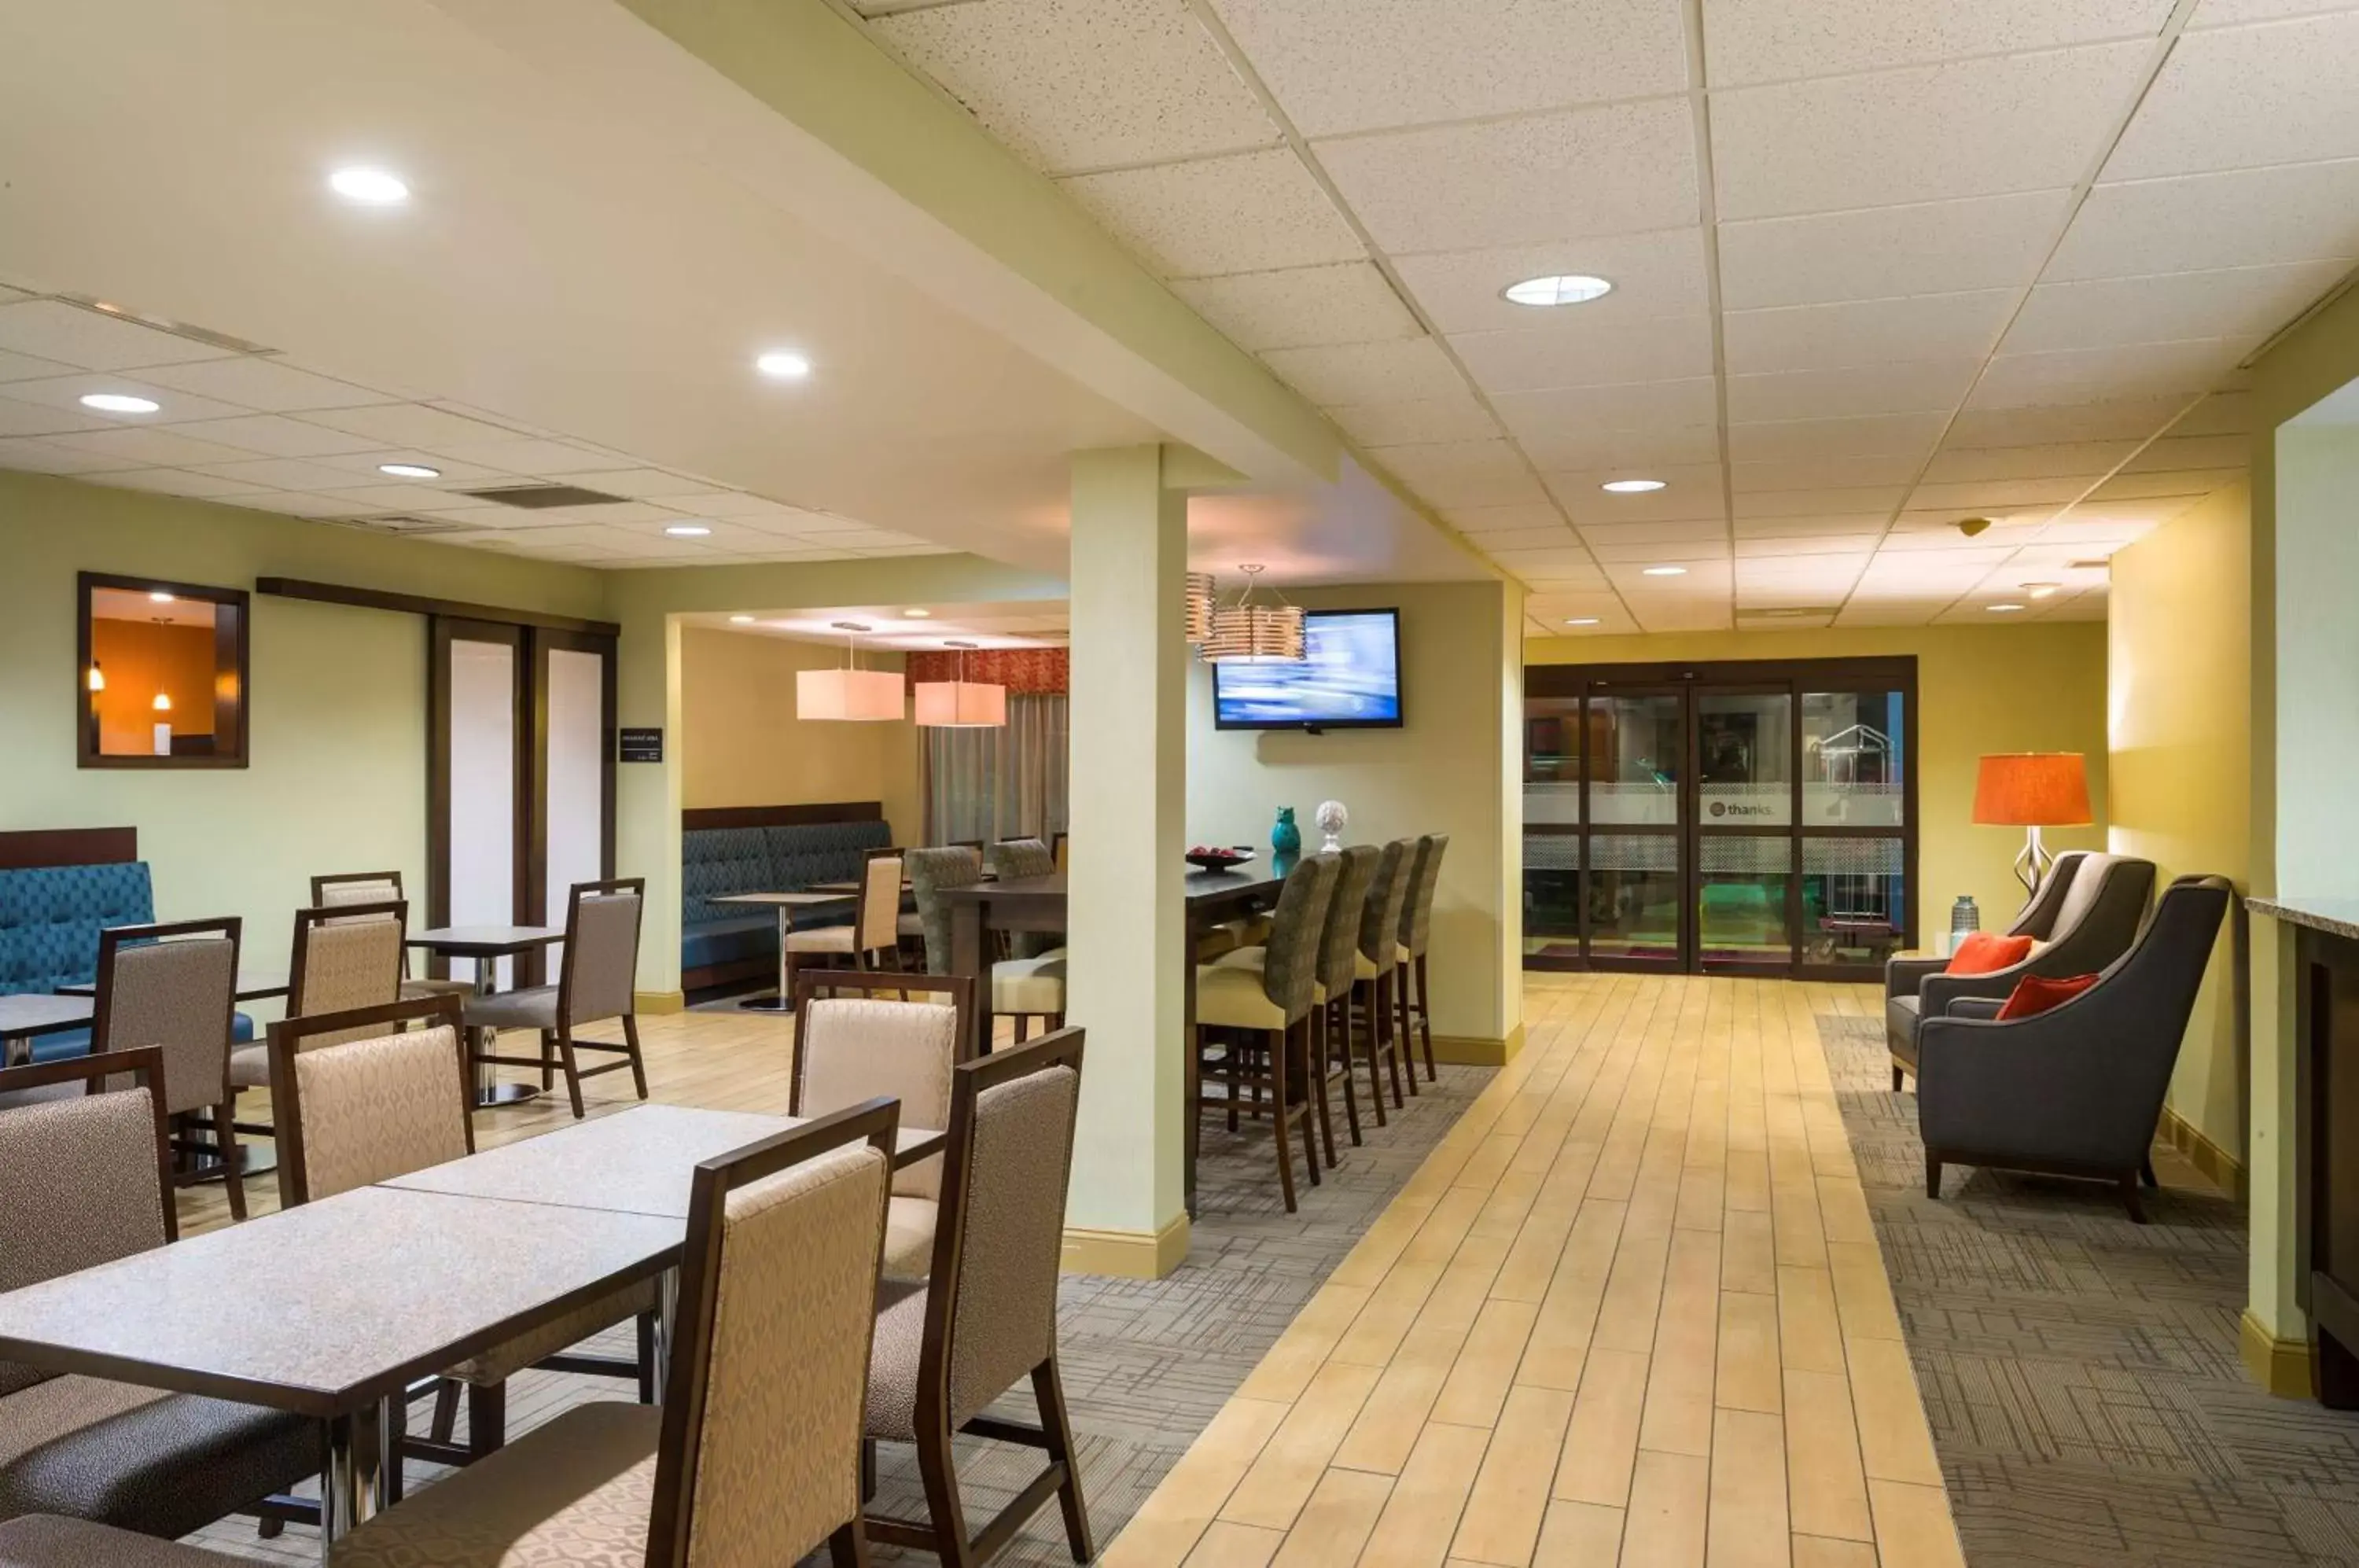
1743, 827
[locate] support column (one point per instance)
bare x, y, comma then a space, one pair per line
1126, 975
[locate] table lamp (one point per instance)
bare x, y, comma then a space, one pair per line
2032, 789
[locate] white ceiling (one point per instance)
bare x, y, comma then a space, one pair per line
1880, 265
1036, 624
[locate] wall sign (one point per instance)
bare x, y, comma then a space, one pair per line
642, 746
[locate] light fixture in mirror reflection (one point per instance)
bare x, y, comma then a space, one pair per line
163, 704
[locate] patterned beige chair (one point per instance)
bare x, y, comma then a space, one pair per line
341, 958
875, 933
754, 1457
175, 986
367, 1095
986, 1317
1415, 935
341, 888
1265, 1011
595, 982
1021, 988
85, 1180
889, 1035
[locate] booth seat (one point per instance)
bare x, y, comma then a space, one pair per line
50, 920
721, 943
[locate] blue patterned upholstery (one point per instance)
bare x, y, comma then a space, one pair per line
715, 861
50, 918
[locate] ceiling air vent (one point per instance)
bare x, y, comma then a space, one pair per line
405, 525
540, 498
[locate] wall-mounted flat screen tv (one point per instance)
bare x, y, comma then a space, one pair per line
1349, 678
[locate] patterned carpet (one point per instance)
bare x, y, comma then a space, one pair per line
1146, 1363
2080, 1372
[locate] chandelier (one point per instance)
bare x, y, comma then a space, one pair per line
1200, 607
1253, 633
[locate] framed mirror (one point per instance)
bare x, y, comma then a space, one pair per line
160, 677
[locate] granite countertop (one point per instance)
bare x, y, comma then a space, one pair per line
2335, 914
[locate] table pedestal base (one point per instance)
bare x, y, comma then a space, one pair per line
492, 1096
766, 1004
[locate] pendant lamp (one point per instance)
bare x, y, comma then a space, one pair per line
1251, 633
1201, 592
850, 692
962, 705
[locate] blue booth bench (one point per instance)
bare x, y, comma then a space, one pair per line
762, 849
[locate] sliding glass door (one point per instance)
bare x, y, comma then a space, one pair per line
1744, 819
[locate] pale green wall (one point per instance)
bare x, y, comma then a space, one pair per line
337, 781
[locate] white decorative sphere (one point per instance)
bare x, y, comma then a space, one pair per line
1331, 819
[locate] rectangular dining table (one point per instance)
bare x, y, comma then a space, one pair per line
786, 904
1039, 904
24, 1014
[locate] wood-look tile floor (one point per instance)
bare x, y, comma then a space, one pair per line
1630, 1312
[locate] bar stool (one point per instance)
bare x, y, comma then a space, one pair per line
1339, 945
1377, 969
1416, 929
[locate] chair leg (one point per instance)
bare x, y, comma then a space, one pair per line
2145, 1173
1392, 1045
1319, 1074
487, 1419
1339, 1018
1402, 1035
446, 1410
397, 1420
848, 1547
233, 1158
1286, 1113
787, 978
1371, 1048
1023, 1027
1280, 1135
2130, 1199
937, 1469
1932, 1174
1424, 1017
638, 1063
1899, 1077
648, 1390
573, 1070
1048, 1391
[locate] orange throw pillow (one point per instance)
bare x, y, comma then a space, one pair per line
1986, 951
2033, 995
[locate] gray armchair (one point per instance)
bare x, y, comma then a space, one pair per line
2076, 1090
2085, 916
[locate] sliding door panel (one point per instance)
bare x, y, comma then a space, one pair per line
478, 762
573, 821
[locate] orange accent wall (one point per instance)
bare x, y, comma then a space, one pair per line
140, 659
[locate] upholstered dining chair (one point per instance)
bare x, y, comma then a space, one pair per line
985, 1316
346, 957
1415, 935
1377, 969
1025, 858
777, 1309
861, 1035
346, 888
1270, 1003
1021, 988
594, 983
365, 1095
175, 986
874, 932
87, 1179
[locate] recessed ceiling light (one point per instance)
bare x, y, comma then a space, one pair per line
688, 530
2002, 609
1665, 572
409, 471
1632, 486
1582, 621
159, 597
919, 615
1557, 289
370, 187
119, 403
2040, 590
741, 620
783, 364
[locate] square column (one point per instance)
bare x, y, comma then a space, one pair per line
1125, 979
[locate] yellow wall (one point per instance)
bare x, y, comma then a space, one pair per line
1441, 773
2019, 687
741, 744
2180, 633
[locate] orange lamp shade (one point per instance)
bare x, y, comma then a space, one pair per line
961, 704
2032, 788
855, 695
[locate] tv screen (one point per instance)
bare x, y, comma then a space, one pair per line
1349, 678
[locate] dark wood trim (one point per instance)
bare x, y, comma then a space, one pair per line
286, 1043
874, 986
146, 1066
677, 1447
33, 849
794, 816
232, 620
417, 605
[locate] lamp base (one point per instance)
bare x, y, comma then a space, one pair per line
2031, 866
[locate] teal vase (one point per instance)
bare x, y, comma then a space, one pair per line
1285, 841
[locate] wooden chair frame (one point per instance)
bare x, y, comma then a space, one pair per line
830, 983
859, 923
286, 1038
145, 1065
670, 1520
558, 1046
944, 1532
222, 1111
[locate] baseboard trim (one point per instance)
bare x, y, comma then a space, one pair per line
2219, 1167
1473, 1050
1126, 1254
2280, 1365
652, 1002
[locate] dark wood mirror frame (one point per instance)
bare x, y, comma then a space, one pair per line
231, 699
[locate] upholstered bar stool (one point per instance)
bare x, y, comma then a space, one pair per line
1021, 988
1416, 933
1271, 1003
1332, 1037
1377, 969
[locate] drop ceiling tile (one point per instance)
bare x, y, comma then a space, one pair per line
278, 472
178, 482
1802, 473
25, 367
1568, 444
1878, 252
1368, 373
1927, 386
410, 425
1855, 547
150, 447
1458, 417
1689, 480
39, 420
1937, 533
2246, 302
2120, 519
320, 505
34, 455
1984, 497
1658, 273
1619, 169
1683, 553
1084, 86
2029, 122
527, 457
389, 497
1355, 65
1463, 473
67, 392
269, 386
1866, 332
1589, 352
1479, 521
1588, 505
1557, 537
367, 468
718, 503
2250, 218
2090, 375
1648, 406
2166, 482
2248, 97
1253, 212
647, 485
2064, 424
1959, 464
1799, 440
2178, 451
2223, 13
1569, 558
273, 435
1857, 502
1708, 530
1770, 40
91, 340
1869, 523
1302, 307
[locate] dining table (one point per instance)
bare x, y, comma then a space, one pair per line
25, 1014
260, 986
788, 906
485, 946
1039, 904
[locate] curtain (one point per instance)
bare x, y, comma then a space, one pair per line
1001, 783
